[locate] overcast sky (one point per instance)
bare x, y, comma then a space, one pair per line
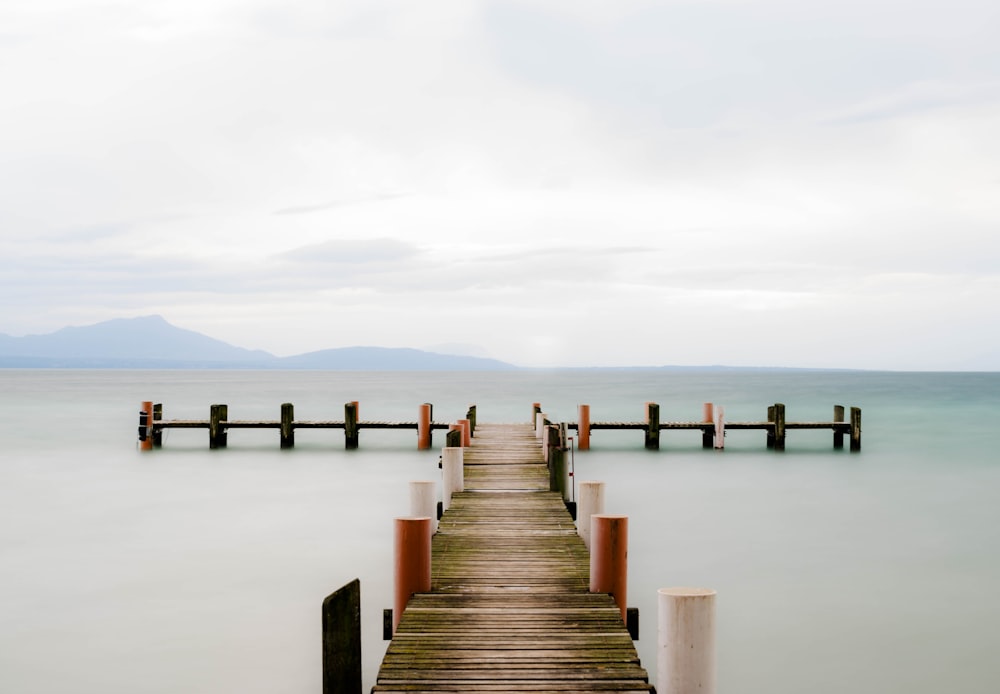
564, 182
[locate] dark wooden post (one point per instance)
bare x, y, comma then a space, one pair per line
471, 416
351, 425
454, 439
770, 429
838, 433
779, 426
342, 640
652, 426
557, 461
157, 433
708, 432
217, 432
855, 429
287, 430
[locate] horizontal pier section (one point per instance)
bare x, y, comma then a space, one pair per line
152, 425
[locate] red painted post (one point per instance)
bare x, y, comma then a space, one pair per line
146, 426
466, 432
609, 557
583, 428
413, 562
424, 427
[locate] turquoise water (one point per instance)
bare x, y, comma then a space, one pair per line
189, 570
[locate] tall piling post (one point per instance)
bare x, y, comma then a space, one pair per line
351, 425
558, 470
770, 429
583, 428
157, 432
218, 435
591, 501
466, 426
453, 439
452, 474
855, 429
708, 433
609, 558
146, 426
412, 562
685, 659
471, 416
779, 426
720, 427
287, 426
838, 433
341, 618
423, 501
652, 426
424, 435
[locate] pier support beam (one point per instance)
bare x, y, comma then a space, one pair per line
157, 433
218, 435
609, 558
685, 660
838, 434
471, 416
652, 426
855, 429
466, 431
413, 562
708, 434
351, 425
425, 416
452, 474
779, 426
583, 428
341, 617
719, 418
146, 426
287, 430
591, 501
556, 459
423, 501
453, 439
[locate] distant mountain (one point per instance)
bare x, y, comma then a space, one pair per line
152, 342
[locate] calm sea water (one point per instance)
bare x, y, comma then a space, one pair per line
197, 571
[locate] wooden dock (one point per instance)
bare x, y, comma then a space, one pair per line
510, 608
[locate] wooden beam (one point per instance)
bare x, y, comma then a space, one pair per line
342, 640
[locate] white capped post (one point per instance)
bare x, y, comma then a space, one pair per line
685, 658
423, 500
453, 474
591, 501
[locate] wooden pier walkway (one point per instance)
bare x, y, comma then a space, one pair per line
510, 608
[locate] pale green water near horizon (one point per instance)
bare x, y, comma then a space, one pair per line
189, 570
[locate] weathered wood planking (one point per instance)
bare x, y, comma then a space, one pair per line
509, 608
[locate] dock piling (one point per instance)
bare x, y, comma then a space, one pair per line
779, 426
341, 620
423, 500
583, 428
412, 562
146, 426
217, 432
591, 502
609, 557
838, 434
708, 433
452, 474
685, 659
855, 429
351, 425
424, 430
287, 430
652, 426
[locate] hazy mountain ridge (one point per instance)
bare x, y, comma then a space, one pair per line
152, 342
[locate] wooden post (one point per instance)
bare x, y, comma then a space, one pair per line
157, 433
652, 426
466, 431
424, 430
770, 429
351, 425
591, 502
341, 616
453, 439
708, 416
583, 428
423, 500
838, 434
779, 426
217, 433
471, 416
720, 427
146, 426
855, 429
609, 557
452, 474
413, 562
287, 430
536, 407
685, 659
558, 471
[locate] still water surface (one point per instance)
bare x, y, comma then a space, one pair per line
189, 570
